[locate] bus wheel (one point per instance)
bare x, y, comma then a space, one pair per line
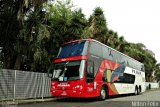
140, 90
103, 93
136, 91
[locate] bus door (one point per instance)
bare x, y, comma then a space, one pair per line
90, 76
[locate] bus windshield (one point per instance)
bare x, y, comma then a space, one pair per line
73, 49
68, 70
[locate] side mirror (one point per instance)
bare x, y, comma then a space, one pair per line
50, 75
50, 72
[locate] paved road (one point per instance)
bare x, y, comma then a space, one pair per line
149, 98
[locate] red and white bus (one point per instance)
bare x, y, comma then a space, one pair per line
87, 68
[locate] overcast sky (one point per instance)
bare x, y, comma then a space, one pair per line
136, 20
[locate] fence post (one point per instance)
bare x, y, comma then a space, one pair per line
43, 85
14, 86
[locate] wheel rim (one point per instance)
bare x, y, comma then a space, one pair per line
136, 91
140, 90
103, 94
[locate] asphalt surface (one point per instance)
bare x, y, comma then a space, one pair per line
147, 99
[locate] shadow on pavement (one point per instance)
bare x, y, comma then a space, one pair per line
83, 100
87, 100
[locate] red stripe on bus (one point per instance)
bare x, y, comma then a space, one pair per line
71, 59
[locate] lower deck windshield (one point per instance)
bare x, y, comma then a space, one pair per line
68, 70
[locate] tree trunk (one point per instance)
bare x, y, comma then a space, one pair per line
18, 62
8, 61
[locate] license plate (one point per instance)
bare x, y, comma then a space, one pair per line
64, 93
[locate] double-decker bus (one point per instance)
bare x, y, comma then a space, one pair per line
87, 68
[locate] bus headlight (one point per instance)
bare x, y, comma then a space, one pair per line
53, 87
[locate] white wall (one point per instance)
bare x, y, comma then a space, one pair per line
153, 85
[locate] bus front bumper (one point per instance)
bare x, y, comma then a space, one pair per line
67, 93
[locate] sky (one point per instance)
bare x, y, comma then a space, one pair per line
137, 20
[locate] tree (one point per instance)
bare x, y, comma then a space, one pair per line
138, 51
157, 72
78, 24
98, 25
45, 31
121, 44
33, 30
33, 40
12, 16
66, 24
9, 30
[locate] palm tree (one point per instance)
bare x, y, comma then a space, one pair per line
108, 38
157, 72
59, 24
78, 24
9, 31
32, 40
97, 25
24, 6
121, 44
12, 16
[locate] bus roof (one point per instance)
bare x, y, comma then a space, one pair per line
116, 51
77, 41
101, 44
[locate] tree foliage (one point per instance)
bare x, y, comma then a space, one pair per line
98, 25
9, 29
98, 30
33, 30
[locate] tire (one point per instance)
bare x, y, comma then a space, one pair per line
140, 90
103, 94
136, 91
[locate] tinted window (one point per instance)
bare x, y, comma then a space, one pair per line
123, 60
126, 78
116, 56
120, 58
142, 68
129, 63
90, 71
129, 78
104, 78
73, 49
96, 49
110, 52
96, 67
106, 53
135, 64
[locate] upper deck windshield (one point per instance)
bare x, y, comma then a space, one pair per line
73, 49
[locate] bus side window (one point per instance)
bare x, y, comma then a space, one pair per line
104, 78
111, 54
142, 67
90, 71
93, 49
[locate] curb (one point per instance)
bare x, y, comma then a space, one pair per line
27, 101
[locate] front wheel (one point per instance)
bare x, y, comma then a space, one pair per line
103, 93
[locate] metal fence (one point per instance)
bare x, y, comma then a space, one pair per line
23, 85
